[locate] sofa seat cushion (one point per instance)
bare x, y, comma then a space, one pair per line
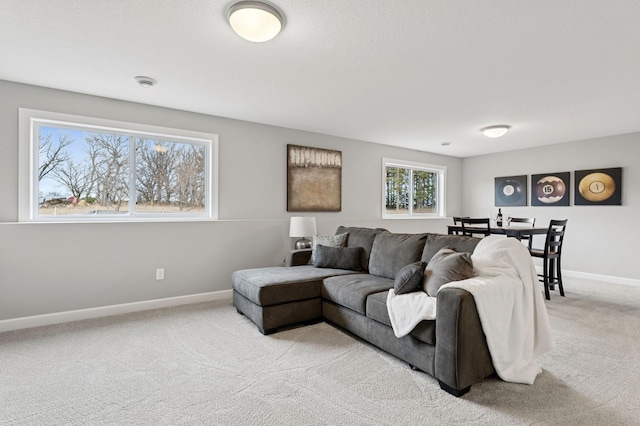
351, 291
279, 284
425, 331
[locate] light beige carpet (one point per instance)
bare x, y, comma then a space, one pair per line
205, 364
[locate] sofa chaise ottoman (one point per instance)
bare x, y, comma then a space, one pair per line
279, 296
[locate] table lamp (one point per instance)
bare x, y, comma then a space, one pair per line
301, 227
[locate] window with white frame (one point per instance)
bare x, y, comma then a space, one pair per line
412, 189
77, 168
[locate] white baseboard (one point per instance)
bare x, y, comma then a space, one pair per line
104, 311
605, 278
597, 277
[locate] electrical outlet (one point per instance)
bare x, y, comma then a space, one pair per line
160, 274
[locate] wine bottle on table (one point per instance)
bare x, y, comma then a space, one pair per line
499, 219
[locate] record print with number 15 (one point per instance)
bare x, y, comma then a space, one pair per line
550, 189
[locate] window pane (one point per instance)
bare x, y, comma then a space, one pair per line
82, 173
412, 189
397, 190
425, 192
75, 168
170, 177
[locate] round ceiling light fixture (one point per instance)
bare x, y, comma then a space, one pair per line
255, 21
146, 82
495, 131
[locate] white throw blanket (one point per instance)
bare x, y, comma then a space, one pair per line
509, 302
407, 310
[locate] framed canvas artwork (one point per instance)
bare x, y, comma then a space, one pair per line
511, 191
314, 179
598, 187
550, 189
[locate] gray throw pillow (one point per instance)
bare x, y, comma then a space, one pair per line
444, 267
409, 278
339, 240
338, 257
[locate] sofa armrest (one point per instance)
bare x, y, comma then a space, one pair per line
462, 356
298, 257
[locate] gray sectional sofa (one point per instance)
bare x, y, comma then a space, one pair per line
452, 348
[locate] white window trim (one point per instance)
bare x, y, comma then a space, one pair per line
27, 184
442, 172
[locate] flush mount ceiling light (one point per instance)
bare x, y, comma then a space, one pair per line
495, 131
255, 21
146, 82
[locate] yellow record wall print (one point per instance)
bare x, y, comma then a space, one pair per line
598, 187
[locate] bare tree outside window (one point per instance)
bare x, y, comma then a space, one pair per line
52, 154
111, 168
170, 174
77, 178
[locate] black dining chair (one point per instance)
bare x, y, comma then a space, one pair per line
456, 221
475, 226
525, 220
551, 255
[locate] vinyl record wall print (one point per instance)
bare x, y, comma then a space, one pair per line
598, 187
511, 191
550, 189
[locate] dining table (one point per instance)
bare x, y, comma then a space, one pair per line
512, 231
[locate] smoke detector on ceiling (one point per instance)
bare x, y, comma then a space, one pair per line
146, 82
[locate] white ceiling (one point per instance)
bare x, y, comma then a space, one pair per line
412, 73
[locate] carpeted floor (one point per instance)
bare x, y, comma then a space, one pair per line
205, 364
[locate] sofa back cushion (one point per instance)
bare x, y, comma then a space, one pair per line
458, 243
360, 237
391, 252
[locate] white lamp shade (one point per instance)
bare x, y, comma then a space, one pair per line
302, 226
255, 21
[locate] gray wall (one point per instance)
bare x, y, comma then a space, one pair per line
599, 239
47, 268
